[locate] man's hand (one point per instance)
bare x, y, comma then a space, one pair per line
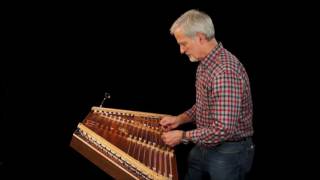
169, 122
172, 138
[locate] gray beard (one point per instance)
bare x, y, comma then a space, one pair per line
192, 59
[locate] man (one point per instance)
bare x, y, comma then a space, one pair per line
223, 108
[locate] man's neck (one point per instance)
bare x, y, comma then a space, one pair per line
211, 45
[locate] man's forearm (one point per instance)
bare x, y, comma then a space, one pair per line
184, 118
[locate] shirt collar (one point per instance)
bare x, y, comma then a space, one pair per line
212, 56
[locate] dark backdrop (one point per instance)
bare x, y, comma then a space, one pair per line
64, 57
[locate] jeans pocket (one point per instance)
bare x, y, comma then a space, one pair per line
250, 151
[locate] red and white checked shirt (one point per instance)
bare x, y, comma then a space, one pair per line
223, 108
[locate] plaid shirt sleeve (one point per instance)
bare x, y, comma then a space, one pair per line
191, 113
220, 111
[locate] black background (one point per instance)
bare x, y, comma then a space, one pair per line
62, 58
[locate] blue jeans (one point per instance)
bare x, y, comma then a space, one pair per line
227, 161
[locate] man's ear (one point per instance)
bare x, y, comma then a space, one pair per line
202, 37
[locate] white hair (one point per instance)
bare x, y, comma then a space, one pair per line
194, 21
